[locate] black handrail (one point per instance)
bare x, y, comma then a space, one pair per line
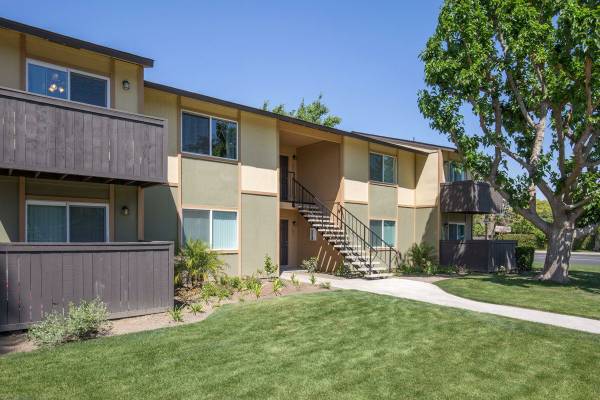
357, 236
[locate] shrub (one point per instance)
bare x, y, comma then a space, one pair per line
325, 285
270, 267
256, 288
176, 314
313, 279
343, 270
234, 283
86, 320
278, 286
196, 308
525, 256
295, 281
196, 263
310, 264
419, 258
523, 239
249, 282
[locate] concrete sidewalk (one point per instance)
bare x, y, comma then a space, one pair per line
430, 293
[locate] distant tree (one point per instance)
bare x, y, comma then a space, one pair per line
316, 112
528, 71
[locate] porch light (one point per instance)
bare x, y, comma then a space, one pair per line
125, 84
125, 210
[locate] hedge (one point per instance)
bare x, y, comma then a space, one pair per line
523, 239
524, 256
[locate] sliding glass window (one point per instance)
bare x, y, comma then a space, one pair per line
384, 231
205, 135
218, 229
382, 168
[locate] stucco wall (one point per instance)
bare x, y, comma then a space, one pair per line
355, 170
405, 229
319, 170
10, 56
126, 225
426, 226
259, 231
160, 213
327, 256
406, 178
9, 209
360, 211
258, 153
382, 201
427, 179
209, 183
164, 105
66, 189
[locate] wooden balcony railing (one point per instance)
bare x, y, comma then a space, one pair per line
470, 197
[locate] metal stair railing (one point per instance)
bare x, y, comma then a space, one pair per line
358, 237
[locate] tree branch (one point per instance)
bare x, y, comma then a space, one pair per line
583, 232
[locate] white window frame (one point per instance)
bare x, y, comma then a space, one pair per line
381, 233
68, 71
395, 182
67, 204
210, 127
210, 225
464, 225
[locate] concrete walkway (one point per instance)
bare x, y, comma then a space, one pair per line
430, 293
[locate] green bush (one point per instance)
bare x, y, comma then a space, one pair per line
196, 263
310, 264
86, 320
270, 267
524, 256
523, 239
419, 259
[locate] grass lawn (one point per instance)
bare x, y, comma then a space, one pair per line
331, 345
580, 297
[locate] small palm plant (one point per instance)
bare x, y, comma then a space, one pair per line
197, 263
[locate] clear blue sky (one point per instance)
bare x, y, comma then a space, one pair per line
363, 56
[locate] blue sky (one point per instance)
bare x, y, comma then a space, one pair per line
363, 56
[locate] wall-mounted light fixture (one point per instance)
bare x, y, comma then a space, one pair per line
293, 156
125, 210
126, 84
294, 223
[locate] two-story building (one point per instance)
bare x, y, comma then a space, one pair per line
91, 153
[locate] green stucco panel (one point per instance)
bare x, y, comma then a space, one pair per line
383, 202
45, 187
259, 141
405, 228
160, 213
230, 262
9, 209
209, 183
259, 231
360, 211
125, 225
426, 226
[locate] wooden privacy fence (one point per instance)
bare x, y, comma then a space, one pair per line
36, 278
479, 255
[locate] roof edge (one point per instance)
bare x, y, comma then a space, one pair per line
73, 42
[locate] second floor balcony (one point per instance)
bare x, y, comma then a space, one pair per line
51, 138
469, 197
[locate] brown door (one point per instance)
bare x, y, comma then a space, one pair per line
283, 242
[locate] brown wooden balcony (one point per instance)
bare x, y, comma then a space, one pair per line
52, 138
469, 197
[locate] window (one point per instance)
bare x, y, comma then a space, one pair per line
456, 231
64, 83
66, 222
456, 171
382, 168
208, 136
385, 230
218, 229
312, 234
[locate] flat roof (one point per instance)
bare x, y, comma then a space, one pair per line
383, 140
73, 42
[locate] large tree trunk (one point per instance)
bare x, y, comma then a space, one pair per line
558, 254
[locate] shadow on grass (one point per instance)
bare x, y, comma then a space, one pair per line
582, 280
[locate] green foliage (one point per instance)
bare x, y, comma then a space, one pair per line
249, 282
86, 320
176, 314
313, 279
295, 281
270, 267
342, 269
523, 239
210, 290
316, 112
527, 72
420, 259
325, 285
278, 285
196, 308
310, 264
256, 288
196, 263
525, 256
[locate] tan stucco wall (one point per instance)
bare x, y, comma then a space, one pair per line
10, 59
405, 227
164, 105
327, 256
160, 213
355, 170
258, 231
426, 226
209, 183
427, 179
9, 209
319, 170
211, 109
360, 211
406, 178
382, 201
259, 153
127, 100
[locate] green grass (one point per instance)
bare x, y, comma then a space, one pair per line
580, 297
331, 345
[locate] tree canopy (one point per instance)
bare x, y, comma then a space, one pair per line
527, 71
316, 112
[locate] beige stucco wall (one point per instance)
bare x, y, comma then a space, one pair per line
427, 179
405, 229
126, 225
160, 213
10, 59
328, 257
355, 170
127, 100
427, 226
360, 211
164, 105
209, 183
258, 153
406, 178
382, 201
258, 231
9, 209
318, 167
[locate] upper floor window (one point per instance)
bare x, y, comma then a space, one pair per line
382, 168
456, 171
209, 136
64, 83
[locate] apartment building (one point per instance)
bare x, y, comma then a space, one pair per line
91, 152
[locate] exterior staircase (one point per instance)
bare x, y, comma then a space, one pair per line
363, 251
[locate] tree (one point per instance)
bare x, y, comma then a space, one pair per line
527, 69
315, 112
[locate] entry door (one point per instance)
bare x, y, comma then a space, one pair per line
283, 168
283, 242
